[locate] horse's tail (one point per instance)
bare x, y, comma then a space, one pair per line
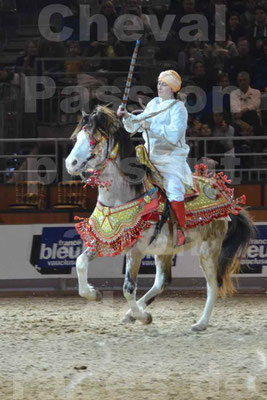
240, 231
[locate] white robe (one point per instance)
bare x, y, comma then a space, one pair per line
168, 149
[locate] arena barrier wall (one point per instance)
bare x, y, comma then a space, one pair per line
40, 258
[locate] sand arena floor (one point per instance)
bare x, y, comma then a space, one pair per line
68, 349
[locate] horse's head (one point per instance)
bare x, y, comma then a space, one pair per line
94, 141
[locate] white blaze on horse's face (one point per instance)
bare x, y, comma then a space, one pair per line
79, 155
84, 156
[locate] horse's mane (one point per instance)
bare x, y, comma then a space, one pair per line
106, 122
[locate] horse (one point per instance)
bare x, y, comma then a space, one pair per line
102, 154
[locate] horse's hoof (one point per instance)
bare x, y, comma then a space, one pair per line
93, 295
88, 296
98, 295
148, 319
198, 327
128, 319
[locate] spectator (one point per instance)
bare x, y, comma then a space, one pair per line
235, 30
9, 21
138, 24
202, 77
223, 51
245, 102
49, 49
259, 28
111, 48
26, 62
72, 22
247, 18
73, 67
90, 84
187, 7
242, 62
220, 127
243, 129
203, 7
197, 50
219, 100
202, 81
175, 7
260, 76
108, 10
10, 77
245, 98
258, 31
133, 7
237, 6
195, 128
224, 81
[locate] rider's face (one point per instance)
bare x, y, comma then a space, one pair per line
164, 91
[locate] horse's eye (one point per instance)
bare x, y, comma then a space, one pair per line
85, 120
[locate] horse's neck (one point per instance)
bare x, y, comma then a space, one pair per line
119, 192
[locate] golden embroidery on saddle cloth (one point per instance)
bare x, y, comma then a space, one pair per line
208, 199
215, 200
110, 230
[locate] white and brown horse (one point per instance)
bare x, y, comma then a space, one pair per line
220, 242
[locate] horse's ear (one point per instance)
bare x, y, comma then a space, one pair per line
84, 114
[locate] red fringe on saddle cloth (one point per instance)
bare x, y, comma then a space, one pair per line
114, 247
219, 183
111, 242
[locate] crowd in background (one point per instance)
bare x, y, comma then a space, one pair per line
237, 64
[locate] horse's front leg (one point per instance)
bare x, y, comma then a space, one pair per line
85, 289
133, 260
162, 280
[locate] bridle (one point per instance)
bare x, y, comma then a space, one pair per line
99, 143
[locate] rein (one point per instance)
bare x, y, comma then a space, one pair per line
150, 116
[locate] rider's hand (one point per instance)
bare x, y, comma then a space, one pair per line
122, 113
145, 124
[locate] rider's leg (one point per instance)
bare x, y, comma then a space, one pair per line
179, 212
175, 191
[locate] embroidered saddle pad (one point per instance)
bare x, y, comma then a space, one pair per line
110, 230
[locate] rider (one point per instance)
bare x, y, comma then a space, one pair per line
168, 149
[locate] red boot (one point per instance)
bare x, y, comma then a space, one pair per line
179, 212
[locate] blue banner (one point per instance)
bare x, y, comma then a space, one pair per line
59, 247
256, 256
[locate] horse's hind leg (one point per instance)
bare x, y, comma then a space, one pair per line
162, 280
133, 260
209, 253
85, 289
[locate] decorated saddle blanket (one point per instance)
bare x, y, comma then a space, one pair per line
111, 230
